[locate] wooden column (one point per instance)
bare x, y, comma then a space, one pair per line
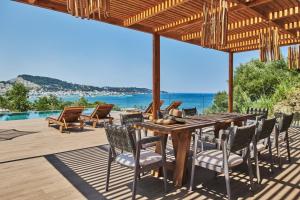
230, 83
156, 76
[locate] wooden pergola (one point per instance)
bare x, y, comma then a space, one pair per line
181, 20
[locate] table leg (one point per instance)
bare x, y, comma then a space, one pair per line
175, 144
183, 145
157, 172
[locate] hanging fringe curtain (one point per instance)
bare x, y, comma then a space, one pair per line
294, 57
269, 45
215, 25
87, 9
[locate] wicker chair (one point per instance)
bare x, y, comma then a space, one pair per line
260, 113
263, 132
233, 140
282, 127
129, 120
188, 112
131, 155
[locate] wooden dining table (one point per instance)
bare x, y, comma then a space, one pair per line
223, 120
181, 138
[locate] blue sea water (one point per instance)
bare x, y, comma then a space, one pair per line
198, 100
190, 100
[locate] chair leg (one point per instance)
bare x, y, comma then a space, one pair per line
250, 172
192, 176
61, 129
108, 169
256, 165
227, 180
196, 137
288, 145
136, 173
270, 153
165, 178
277, 149
94, 124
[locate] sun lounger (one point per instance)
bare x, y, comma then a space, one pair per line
148, 112
101, 112
68, 118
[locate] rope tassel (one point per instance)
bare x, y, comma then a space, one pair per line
86, 9
214, 28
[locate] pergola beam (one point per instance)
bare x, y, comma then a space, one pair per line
263, 16
233, 7
230, 82
156, 76
153, 11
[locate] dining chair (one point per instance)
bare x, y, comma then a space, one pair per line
232, 140
264, 130
282, 126
129, 120
125, 152
260, 113
189, 112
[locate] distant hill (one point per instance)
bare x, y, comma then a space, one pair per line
45, 84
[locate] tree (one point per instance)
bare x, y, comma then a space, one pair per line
259, 85
49, 103
17, 98
3, 102
220, 103
42, 104
82, 102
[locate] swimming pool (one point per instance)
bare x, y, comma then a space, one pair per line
32, 115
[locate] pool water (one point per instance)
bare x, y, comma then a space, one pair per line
33, 115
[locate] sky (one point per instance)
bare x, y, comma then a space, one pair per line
42, 42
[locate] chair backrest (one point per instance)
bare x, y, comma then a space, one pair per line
129, 119
285, 122
173, 105
70, 114
150, 107
189, 112
259, 112
240, 137
101, 111
265, 128
120, 137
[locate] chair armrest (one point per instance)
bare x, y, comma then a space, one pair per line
223, 135
150, 139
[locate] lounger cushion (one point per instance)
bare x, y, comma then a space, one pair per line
215, 157
146, 158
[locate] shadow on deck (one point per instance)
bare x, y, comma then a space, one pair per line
85, 169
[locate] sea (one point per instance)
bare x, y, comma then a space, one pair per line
189, 100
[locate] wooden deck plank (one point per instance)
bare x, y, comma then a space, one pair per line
78, 171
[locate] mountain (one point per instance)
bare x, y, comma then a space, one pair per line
39, 84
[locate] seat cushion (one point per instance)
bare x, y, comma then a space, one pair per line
215, 157
146, 158
260, 147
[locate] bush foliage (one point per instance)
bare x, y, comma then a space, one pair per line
259, 85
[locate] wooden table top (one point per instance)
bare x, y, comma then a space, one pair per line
222, 117
189, 125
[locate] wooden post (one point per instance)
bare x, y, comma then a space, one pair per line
230, 83
156, 76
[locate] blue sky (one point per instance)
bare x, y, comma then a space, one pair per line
42, 42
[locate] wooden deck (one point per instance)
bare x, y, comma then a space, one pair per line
51, 165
